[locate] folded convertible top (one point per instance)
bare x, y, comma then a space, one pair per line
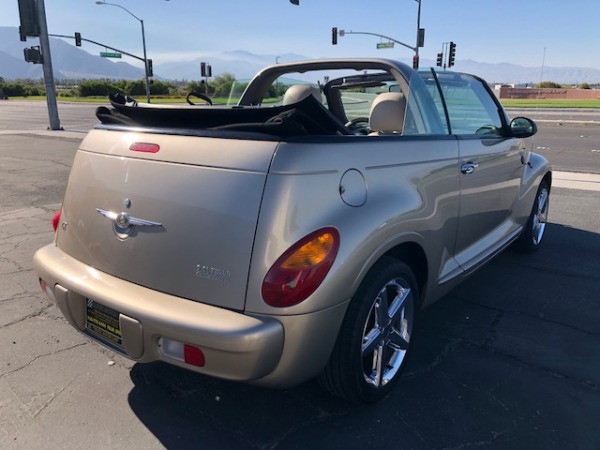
307, 117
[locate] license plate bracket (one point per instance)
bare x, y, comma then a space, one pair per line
102, 323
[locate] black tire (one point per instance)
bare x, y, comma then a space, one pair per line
373, 342
532, 234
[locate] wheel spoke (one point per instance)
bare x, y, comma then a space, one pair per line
397, 305
370, 341
398, 341
540, 218
542, 201
377, 372
543, 207
393, 366
382, 307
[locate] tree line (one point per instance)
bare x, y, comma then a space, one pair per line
552, 84
219, 86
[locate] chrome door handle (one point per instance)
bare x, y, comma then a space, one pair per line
468, 168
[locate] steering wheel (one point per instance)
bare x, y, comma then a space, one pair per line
357, 120
204, 97
359, 125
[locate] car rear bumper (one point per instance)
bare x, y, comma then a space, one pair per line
235, 346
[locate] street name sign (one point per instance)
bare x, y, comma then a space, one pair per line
110, 55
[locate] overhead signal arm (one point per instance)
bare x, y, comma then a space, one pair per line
343, 32
96, 43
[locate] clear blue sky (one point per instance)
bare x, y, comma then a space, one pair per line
493, 31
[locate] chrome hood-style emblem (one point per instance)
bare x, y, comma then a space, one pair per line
124, 223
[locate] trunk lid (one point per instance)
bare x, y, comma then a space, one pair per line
177, 216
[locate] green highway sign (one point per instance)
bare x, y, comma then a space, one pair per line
385, 45
110, 55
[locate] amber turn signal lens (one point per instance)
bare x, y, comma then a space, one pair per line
312, 253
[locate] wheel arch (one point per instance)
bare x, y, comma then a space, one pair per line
537, 169
548, 179
413, 255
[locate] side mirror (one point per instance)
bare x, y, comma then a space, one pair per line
522, 127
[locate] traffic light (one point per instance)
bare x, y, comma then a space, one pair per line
415, 62
29, 22
440, 57
421, 37
209, 71
203, 69
334, 35
78, 39
451, 54
150, 69
33, 55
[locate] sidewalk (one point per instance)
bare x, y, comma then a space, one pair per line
64, 134
576, 180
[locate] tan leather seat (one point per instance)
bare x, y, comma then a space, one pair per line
387, 113
299, 92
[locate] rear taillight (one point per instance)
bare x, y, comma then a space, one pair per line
301, 269
56, 220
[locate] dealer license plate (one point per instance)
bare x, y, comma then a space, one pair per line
102, 323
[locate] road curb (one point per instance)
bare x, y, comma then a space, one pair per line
576, 180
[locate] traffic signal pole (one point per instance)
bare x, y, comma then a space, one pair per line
145, 63
419, 39
47, 67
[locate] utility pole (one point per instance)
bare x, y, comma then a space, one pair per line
47, 66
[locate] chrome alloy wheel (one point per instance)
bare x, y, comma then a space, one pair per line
387, 333
540, 216
372, 347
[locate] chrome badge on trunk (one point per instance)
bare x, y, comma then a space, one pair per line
124, 224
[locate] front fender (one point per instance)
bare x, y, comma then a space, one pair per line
537, 167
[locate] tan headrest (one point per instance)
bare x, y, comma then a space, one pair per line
387, 113
299, 92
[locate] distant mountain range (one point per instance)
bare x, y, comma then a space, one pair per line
72, 62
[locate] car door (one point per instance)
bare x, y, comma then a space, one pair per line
490, 166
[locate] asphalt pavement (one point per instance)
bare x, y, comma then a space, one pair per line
508, 360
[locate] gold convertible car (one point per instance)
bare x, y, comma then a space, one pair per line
285, 238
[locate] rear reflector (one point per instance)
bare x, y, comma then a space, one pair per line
182, 352
144, 147
193, 355
47, 290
